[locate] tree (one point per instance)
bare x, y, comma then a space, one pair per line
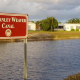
59, 22
74, 20
37, 24
31, 21
48, 24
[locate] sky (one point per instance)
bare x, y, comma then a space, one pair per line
62, 10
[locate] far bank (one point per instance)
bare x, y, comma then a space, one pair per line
55, 35
48, 35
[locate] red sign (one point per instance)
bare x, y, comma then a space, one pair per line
13, 26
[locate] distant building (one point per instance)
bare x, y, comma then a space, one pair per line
69, 27
60, 27
31, 26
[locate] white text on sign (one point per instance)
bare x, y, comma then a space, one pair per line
12, 19
7, 26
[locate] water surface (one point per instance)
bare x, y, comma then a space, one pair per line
47, 60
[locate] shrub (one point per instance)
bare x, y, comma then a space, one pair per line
77, 29
73, 77
72, 29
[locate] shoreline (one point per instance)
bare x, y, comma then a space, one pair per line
50, 39
47, 36
44, 39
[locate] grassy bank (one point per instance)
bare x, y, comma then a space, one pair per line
55, 35
47, 35
73, 77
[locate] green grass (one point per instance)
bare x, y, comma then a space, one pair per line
38, 31
60, 34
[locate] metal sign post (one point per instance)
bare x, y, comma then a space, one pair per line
15, 26
25, 59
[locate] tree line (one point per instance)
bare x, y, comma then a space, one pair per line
50, 23
47, 24
74, 20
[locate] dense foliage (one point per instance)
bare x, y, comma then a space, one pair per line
74, 20
74, 77
47, 24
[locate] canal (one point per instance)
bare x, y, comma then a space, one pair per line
47, 60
